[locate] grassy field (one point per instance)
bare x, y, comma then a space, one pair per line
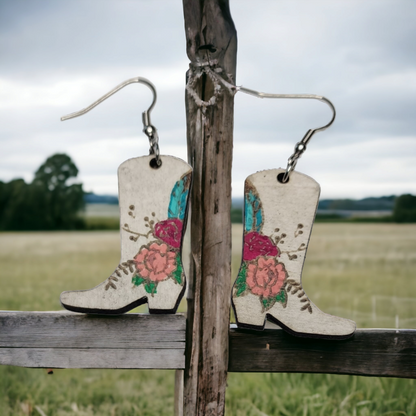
363, 272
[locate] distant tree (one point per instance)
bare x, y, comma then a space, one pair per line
3, 198
64, 201
55, 172
48, 203
23, 207
12, 195
405, 208
236, 215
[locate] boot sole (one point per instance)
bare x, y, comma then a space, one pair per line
272, 319
128, 307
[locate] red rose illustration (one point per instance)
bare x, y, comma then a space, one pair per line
156, 262
266, 278
256, 245
170, 231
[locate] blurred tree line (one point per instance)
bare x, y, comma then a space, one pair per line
50, 202
405, 208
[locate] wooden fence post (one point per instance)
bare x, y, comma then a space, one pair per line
212, 49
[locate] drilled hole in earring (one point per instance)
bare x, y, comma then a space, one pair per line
153, 163
280, 178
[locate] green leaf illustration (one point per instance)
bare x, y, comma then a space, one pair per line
268, 303
241, 289
241, 278
240, 283
177, 274
137, 280
281, 296
150, 287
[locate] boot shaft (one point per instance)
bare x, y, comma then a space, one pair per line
147, 198
283, 212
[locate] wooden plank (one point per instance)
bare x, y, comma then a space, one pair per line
178, 403
370, 352
70, 340
93, 358
212, 49
51, 329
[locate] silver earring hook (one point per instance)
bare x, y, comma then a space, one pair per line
148, 128
300, 147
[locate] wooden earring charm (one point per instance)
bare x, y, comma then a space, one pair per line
278, 219
279, 211
153, 200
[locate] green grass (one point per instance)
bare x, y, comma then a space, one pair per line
363, 272
101, 223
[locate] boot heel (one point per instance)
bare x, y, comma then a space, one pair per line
167, 301
248, 321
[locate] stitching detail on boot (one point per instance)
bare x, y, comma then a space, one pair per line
301, 295
123, 267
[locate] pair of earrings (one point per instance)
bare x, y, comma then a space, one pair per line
280, 206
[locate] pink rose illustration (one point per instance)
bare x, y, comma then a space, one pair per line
256, 245
170, 231
156, 262
266, 278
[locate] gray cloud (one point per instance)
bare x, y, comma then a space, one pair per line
58, 57
78, 36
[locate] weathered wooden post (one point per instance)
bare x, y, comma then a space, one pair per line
212, 50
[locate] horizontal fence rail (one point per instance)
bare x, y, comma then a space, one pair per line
370, 352
69, 340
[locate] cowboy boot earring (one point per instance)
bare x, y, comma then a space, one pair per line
279, 210
153, 200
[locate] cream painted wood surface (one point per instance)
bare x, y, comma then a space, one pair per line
278, 222
153, 205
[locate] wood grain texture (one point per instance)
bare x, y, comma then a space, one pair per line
68, 340
92, 358
370, 352
178, 403
210, 32
212, 49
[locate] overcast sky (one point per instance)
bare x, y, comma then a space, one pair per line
57, 57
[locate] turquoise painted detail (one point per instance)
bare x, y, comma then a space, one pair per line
178, 198
253, 212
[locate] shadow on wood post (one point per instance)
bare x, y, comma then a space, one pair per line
212, 50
